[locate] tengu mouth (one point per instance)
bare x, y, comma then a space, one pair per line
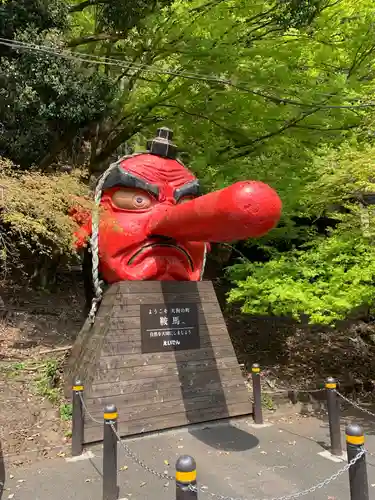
158, 245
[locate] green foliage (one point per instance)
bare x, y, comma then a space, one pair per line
326, 282
46, 381
56, 97
299, 13
267, 402
42, 15
276, 90
66, 411
125, 14
332, 275
34, 218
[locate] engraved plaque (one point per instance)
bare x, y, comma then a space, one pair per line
169, 327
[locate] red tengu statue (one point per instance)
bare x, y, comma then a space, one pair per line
154, 225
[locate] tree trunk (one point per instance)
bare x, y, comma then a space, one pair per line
56, 148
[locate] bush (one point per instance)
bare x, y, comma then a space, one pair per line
34, 213
326, 282
333, 273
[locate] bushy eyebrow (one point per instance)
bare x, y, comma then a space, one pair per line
119, 177
190, 189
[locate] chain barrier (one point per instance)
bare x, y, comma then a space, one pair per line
217, 496
292, 495
87, 411
356, 405
293, 389
138, 461
126, 448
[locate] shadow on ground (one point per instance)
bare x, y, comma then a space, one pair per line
226, 437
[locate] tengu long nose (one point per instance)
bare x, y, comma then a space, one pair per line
247, 209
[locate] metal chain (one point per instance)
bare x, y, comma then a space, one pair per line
128, 451
356, 405
304, 391
217, 496
138, 461
87, 411
294, 389
292, 495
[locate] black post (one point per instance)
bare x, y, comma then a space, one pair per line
110, 489
257, 394
355, 441
186, 478
77, 418
333, 407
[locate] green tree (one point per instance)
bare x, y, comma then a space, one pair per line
331, 275
46, 101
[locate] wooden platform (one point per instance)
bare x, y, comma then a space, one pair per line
161, 352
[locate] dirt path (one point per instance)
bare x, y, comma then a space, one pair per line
32, 409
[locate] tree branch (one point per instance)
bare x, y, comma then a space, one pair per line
198, 115
249, 147
100, 37
349, 127
79, 7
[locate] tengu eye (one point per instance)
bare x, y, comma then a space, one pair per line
130, 199
140, 200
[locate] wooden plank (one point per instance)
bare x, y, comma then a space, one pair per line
213, 387
95, 433
118, 361
127, 344
162, 287
133, 334
126, 348
132, 337
122, 317
130, 323
206, 311
168, 298
218, 329
170, 407
149, 384
163, 370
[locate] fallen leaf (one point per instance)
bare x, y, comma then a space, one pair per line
142, 484
124, 467
166, 462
